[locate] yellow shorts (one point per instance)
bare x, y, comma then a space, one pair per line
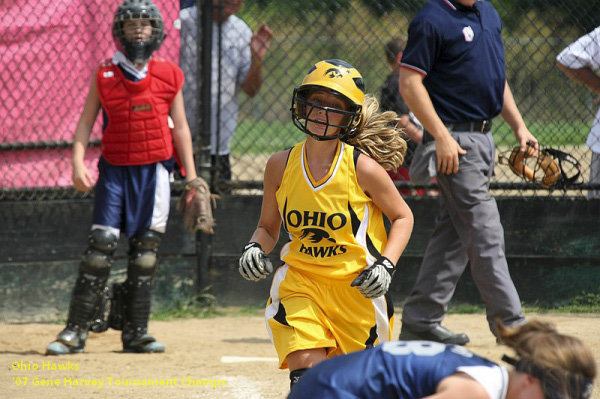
307, 311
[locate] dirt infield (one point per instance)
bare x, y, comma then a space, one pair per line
221, 358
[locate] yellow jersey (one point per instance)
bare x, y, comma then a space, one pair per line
335, 229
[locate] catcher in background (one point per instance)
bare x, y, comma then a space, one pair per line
136, 93
580, 61
548, 365
331, 191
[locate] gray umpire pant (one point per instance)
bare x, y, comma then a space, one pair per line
467, 230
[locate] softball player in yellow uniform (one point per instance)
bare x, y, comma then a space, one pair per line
331, 192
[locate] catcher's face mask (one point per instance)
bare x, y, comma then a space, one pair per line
556, 383
138, 47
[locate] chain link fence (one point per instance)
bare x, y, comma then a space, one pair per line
50, 49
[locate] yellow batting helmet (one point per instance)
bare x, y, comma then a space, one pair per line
336, 77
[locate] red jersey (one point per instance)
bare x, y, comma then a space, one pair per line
137, 132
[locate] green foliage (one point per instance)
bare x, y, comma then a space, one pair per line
381, 7
549, 134
192, 309
248, 310
332, 7
203, 305
581, 14
466, 308
557, 111
585, 302
586, 299
575, 13
356, 31
263, 137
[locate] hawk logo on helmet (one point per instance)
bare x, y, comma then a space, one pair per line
334, 73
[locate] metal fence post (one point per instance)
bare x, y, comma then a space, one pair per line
203, 241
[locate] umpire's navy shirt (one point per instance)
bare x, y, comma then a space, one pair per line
459, 50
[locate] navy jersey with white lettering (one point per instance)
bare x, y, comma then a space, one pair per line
398, 370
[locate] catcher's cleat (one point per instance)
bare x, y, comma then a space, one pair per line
68, 341
144, 343
57, 348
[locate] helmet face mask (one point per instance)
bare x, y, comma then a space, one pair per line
136, 48
319, 118
333, 77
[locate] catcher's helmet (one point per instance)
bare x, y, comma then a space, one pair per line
138, 10
336, 77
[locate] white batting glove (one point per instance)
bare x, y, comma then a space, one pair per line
375, 280
254, 263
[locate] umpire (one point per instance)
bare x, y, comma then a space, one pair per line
453, 79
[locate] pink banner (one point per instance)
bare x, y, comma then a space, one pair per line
49, 50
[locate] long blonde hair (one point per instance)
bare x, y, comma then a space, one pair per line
379, 136
565, 362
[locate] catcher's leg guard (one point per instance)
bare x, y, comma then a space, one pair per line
116, 319
101, 319
88, 293
137, 294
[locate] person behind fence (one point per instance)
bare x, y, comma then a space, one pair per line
331, 191
391, 100
453, 79
580, 61
547, 365
240, 67
137, 92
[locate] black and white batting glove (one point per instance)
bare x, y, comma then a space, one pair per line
254, 263
375, 280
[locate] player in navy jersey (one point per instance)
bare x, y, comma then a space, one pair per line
137, 94
547, 365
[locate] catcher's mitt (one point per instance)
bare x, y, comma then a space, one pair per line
551, 168
196, 203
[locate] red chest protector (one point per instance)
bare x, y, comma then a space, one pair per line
137, 132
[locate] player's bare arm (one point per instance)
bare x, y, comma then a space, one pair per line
410, 129
269, 224
417, 98
82, 178
259, 45
182, 138
377, 184
513, 117
583, 76
459, 386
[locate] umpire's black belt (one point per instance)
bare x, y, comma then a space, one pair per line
473, 126
469, 127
